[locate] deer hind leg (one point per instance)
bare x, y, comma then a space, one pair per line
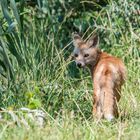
109, 101
97, 106
110, 108
117, 92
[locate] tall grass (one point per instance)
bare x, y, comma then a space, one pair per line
37, 71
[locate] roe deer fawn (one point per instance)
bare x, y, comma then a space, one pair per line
108, 75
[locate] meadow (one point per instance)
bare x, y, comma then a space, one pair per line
37, 72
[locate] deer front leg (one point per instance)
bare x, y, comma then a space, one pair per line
94, 104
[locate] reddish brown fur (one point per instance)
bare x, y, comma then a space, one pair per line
109, 84
108, 75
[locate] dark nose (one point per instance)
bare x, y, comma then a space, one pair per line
79, 65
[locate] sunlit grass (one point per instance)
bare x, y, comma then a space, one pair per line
38, 73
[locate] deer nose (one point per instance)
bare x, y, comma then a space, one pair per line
79, 65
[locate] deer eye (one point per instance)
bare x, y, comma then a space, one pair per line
76, 55
86, 55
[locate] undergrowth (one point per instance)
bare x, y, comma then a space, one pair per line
37, 70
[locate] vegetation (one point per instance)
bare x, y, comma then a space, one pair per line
36, 70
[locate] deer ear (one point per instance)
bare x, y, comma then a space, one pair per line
93, 41
76, 39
